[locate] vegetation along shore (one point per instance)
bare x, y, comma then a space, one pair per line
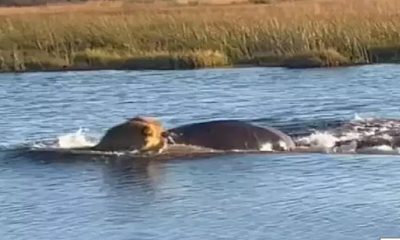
166, 35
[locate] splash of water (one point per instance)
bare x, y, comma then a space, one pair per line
266, 147
359, 135
357, 117
319, 140
75, 140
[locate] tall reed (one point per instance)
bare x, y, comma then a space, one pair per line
45, 38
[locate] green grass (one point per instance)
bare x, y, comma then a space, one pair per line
129, 36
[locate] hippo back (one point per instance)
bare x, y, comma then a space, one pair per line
231, 134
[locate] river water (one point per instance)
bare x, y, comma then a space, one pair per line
302, 196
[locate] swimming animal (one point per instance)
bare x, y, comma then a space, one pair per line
142, 134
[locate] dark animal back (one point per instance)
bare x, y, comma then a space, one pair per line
225, 135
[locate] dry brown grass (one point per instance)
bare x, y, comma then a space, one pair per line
239, 32
312, 59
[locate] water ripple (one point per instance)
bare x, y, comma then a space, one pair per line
232, 197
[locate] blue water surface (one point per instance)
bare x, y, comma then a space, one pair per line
302, 196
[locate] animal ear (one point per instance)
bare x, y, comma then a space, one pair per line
146, 131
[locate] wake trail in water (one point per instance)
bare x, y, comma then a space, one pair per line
78, 139
360, 135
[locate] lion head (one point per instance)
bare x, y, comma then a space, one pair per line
143, 134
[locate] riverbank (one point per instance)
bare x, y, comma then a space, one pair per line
120, 35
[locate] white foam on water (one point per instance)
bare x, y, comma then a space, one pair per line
345, 139
381, 149
319, 140
387, 137
75, 140
266, 147
348, 136
326, 141
269, 147
283, 145
357, 117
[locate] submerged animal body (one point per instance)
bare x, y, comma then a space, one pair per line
231, 135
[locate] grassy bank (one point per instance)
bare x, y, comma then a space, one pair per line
119, 35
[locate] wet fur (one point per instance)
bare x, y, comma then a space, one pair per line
140, 133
